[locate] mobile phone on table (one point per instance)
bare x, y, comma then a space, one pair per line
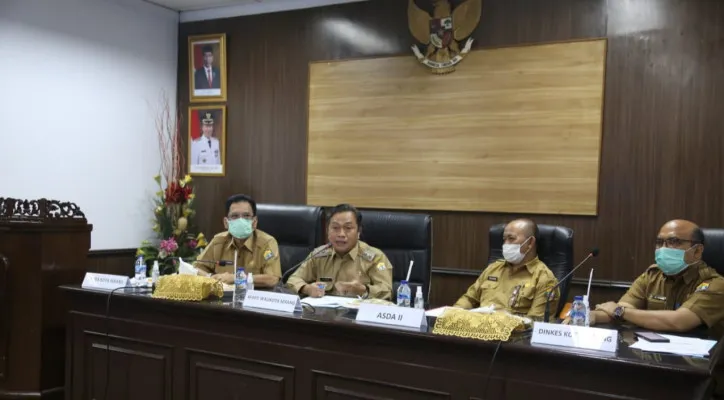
652, 337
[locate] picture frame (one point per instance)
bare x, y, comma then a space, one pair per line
206, 138
207, 68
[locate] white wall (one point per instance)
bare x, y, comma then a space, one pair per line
78, 81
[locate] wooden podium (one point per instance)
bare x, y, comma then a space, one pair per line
43, 244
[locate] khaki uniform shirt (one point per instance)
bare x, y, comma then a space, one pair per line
699, 289
521, 291
364, 263
259, 254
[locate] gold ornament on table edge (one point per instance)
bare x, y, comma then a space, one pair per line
442, 32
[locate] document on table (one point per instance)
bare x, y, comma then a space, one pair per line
436, 312
328, 301
678, 345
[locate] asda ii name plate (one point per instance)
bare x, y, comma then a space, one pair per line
283, 302
392, 315
579, 337
93, 280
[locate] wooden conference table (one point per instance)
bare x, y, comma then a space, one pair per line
163, 349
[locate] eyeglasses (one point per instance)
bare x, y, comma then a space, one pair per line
673, 242
233, 217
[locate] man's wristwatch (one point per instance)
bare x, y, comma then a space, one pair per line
618, 313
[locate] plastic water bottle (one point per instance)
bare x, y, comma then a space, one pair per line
140, 271
155, 272
579, 312
419, 302
403, 294
239, 286
250, 282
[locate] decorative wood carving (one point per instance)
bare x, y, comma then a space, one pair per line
39, 210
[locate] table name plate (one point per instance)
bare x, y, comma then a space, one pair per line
579, 337
392, 315
94, 280
283, 302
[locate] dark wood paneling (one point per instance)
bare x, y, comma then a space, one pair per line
138, 369
447, 288
662, 145
116, 262
331, 386
324, 353
41, 253
232, 377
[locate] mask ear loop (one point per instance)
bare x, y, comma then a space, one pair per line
695, 262
521, 245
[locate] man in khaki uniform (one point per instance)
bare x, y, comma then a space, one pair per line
257, 251
346, 266
521, 282
678, 293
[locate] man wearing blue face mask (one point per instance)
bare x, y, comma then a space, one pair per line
678, 293
257, 251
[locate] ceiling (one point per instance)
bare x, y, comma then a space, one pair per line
188, 5
192, 5
198, 10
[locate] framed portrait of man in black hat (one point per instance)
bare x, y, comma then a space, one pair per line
207, 140
207, 68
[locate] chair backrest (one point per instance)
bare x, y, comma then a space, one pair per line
402, 237
714, 248
555, 249
297, 229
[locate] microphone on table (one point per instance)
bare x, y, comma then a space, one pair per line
593, 253
291, 270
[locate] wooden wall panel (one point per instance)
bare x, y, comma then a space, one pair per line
514, 129
661, 143
115, 262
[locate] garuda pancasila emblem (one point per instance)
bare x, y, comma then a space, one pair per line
442, 32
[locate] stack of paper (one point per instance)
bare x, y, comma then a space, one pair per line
436, 312
678, 345
328, 301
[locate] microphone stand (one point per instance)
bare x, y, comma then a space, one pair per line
546, 316
294, 268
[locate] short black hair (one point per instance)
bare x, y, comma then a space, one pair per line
207, 49
344, 207
238, 198
697, 236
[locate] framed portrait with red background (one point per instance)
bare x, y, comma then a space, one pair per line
207, 140
207, 68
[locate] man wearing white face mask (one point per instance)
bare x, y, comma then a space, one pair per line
521, 282
257, 251
678, 293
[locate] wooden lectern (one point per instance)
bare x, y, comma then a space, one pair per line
43, 244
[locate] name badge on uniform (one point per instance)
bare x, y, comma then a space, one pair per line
493, 278
659, 298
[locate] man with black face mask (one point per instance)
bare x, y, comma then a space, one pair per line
678, 293
521, 282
